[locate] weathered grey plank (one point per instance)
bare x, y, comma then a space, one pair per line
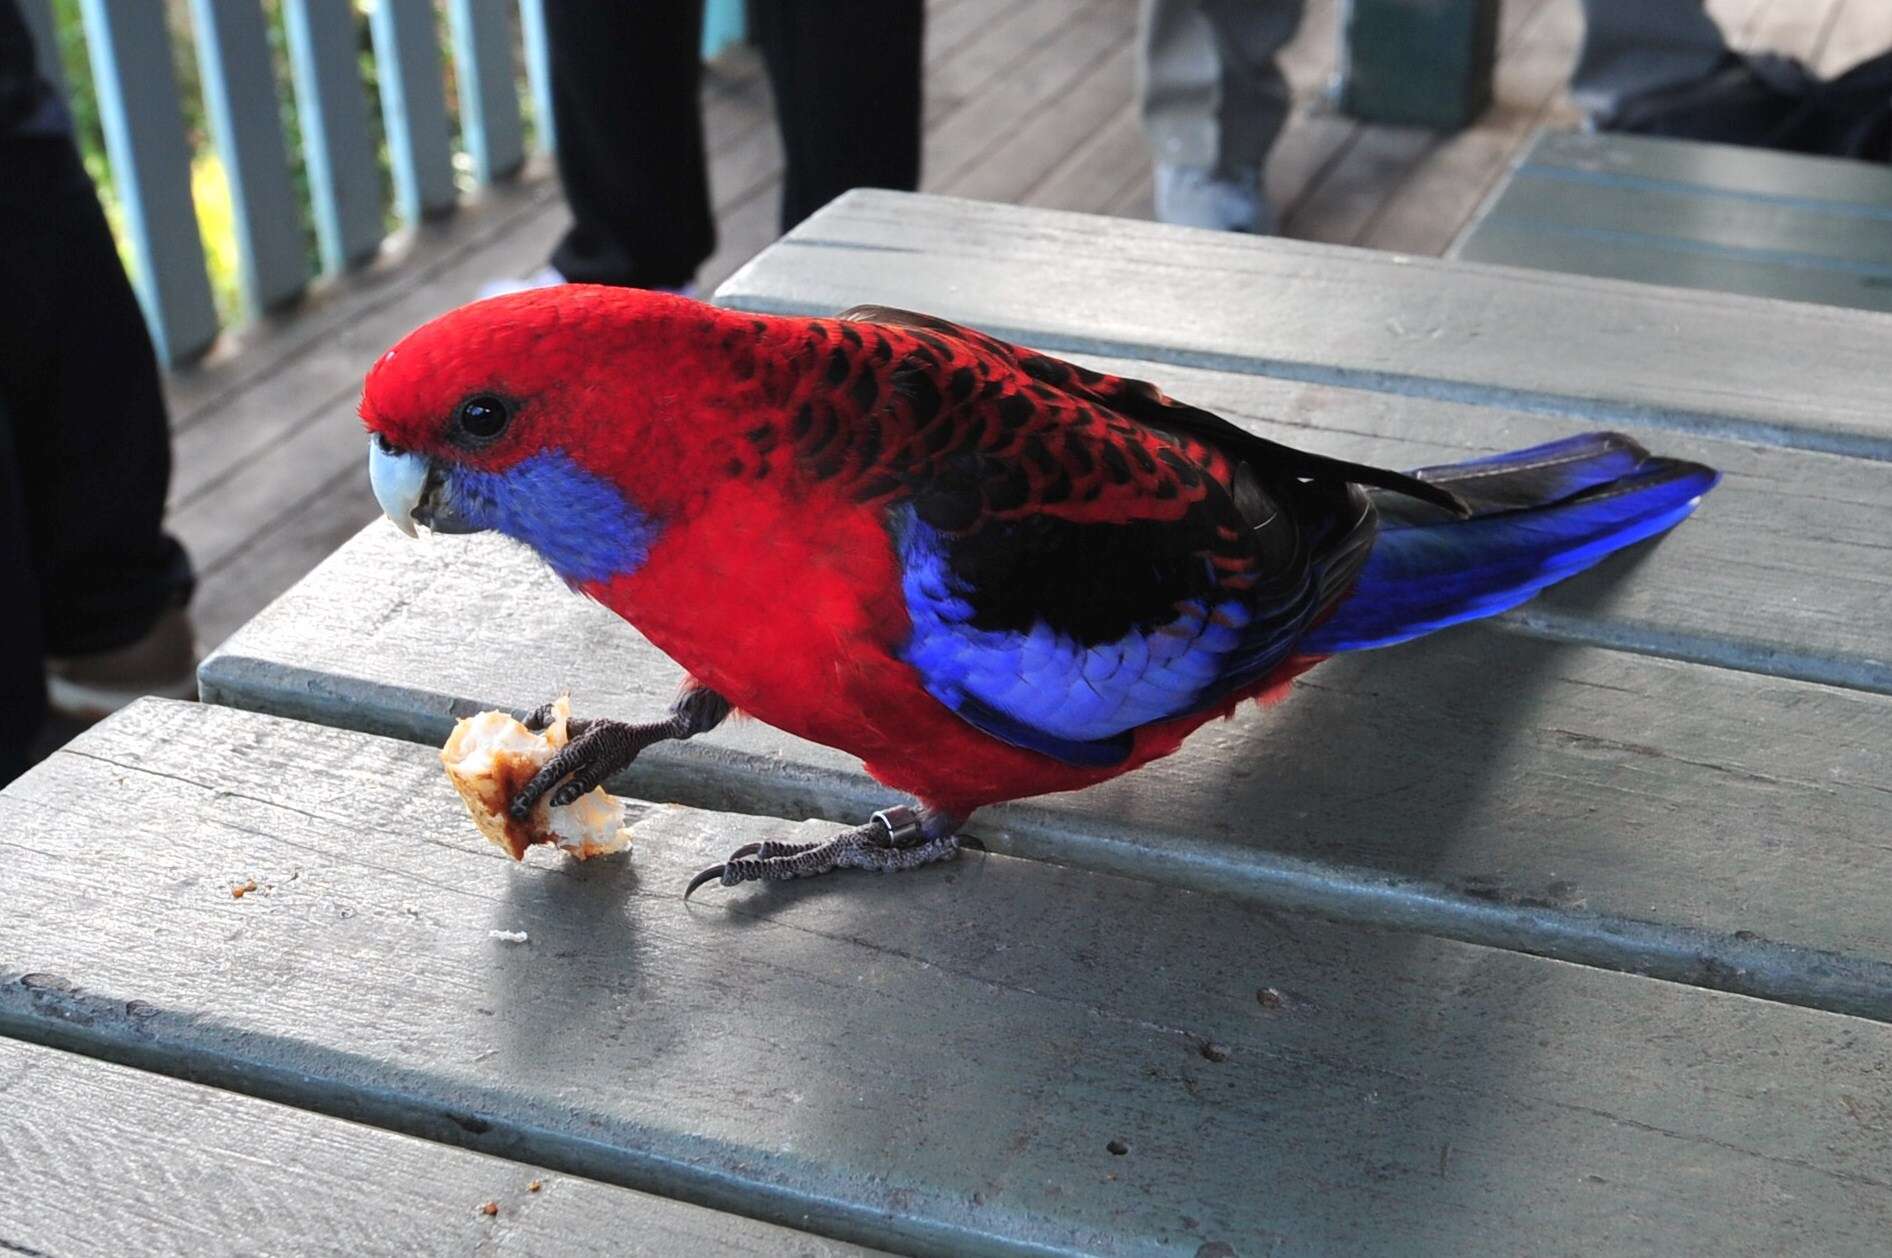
1099, 169
968, 145
979, 44
1760, 175
1755, 370
1016, 165
100, 1159
936, 1062
1831, 236
1660, 211
1377, 160
1584, 803
246, 579
1512, 238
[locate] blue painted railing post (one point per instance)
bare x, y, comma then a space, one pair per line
539, 71
414, 105
144, 137
240, 98
725, 22
489, 94
331, 105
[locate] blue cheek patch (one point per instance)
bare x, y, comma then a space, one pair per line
1040, 690
580, 523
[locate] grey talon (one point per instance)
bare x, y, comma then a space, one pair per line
893, 839
600, 748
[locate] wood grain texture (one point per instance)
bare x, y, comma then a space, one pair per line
1697, 215
1589, 804
1629, 253
1720, 364
1735, 172
1701, 222
936, 1062
101, 1159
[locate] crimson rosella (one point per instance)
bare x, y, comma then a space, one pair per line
986, 572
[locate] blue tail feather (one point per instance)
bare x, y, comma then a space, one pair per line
1539, 516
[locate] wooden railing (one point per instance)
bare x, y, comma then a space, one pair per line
129, 49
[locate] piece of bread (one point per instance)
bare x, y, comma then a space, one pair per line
490, 756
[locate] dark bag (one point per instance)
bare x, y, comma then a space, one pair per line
1774, 102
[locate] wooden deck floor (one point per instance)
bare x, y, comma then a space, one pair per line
1027, 100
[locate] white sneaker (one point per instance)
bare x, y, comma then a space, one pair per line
544, 277
1191, 196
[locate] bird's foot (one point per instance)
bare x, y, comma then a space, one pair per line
894, 839
599, 748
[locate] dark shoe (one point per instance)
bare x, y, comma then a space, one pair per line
163, 662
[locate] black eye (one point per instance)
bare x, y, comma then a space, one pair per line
483, 416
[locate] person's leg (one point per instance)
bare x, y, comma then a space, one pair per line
22, 648
1634, 47
625, 80
1213, 102
847, 82
90, 435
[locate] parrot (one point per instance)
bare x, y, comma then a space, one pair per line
986, 572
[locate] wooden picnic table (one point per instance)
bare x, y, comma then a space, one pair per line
1305, 987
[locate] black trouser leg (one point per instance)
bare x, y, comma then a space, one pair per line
846, 75
80, 386
625, 79
22, 665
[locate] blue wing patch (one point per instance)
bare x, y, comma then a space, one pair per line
1042, 690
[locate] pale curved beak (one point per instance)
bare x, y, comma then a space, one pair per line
399, 480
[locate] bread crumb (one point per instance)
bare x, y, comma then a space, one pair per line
242, 889
489, 757
489, 1208
508, 936
534, 1186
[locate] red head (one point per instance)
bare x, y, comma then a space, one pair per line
528, 412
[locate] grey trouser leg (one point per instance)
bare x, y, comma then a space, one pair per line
1211, 94
1636, 46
